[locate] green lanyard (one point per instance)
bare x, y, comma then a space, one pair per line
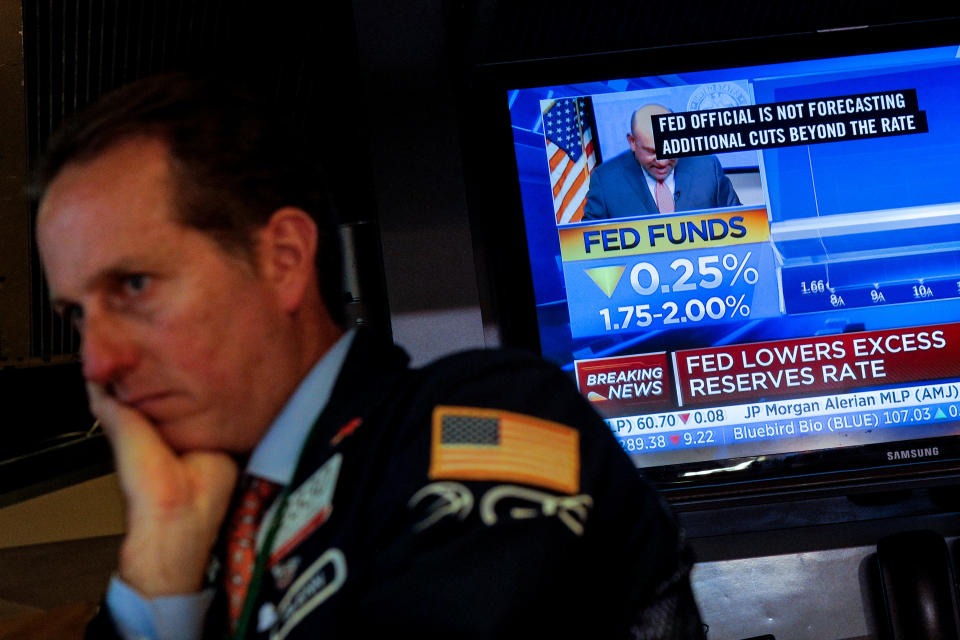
253, 590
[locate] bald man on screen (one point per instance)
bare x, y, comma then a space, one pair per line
637, 182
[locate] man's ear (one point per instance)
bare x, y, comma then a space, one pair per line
288, 248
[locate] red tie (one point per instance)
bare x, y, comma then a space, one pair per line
242, 542
664, 197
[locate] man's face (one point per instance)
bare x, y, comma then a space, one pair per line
641, 145
172, 326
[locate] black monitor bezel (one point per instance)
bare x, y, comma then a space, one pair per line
504, 276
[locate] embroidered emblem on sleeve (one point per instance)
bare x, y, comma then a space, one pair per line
440, 500
530, 503
501, 446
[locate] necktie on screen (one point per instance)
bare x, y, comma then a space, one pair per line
242, 542
664, 197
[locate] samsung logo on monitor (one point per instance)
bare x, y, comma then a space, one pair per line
907, 454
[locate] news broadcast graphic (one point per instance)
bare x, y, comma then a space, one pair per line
630, 277
800, 122
626, 382
817, 308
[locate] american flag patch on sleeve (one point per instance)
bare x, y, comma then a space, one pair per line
501, 446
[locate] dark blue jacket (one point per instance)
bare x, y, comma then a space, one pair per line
404, 552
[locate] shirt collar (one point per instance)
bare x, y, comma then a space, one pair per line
275, 456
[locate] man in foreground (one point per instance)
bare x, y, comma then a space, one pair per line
638, 183
189, 241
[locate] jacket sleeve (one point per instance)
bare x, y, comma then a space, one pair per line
500, 557
726, 195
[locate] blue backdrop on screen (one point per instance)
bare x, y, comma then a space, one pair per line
900, 171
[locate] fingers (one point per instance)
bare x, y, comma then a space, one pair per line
213, 476
175, 503
140, 454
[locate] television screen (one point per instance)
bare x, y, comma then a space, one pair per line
751, 270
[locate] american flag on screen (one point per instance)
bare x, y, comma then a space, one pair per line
571, 134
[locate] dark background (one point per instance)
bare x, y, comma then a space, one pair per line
380, 87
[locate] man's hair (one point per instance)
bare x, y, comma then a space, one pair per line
233, 159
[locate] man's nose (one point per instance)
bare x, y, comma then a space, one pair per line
107, 350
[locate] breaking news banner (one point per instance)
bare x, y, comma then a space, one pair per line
635, 276
625, 383
784, 124
818, 364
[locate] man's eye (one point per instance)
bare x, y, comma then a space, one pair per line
136, 283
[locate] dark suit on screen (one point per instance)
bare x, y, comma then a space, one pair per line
618, 188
